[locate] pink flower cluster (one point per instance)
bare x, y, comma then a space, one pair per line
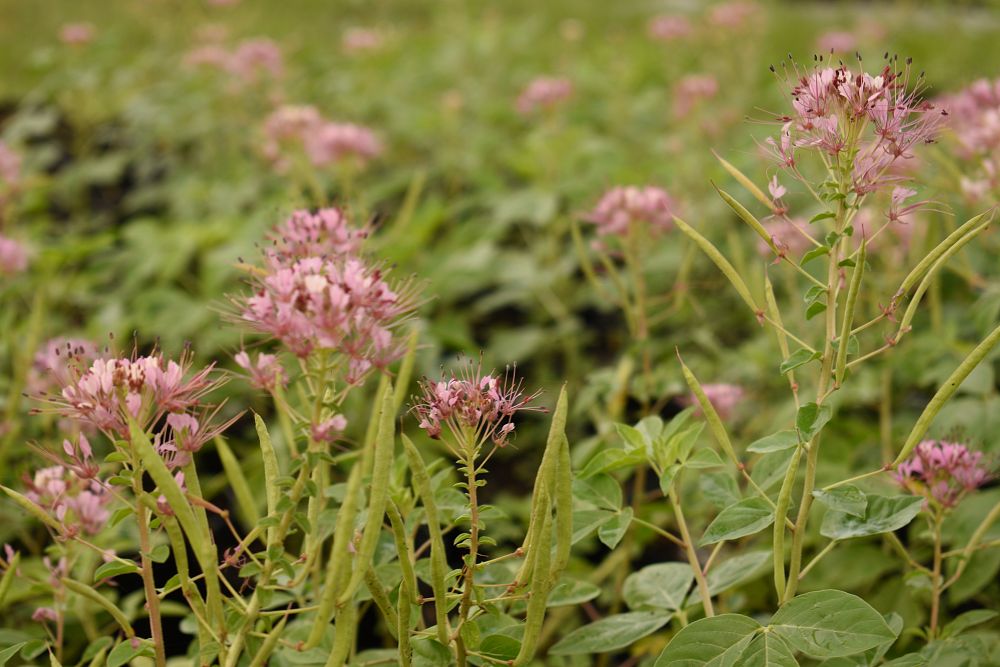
544, 93
361, 40
691, 90
324, 143
56, 362
732, 15
249, 62
942, 471
725, 398
669, 27
974, 120
13, 256
338, 304
76, 34
326, 233
790, 235
10, 172
622, 207
833, 106
72, 492
266, 373
475, 408
837, 41
146, 389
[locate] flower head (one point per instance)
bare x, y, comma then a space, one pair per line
78, 503
691, 90
472, 407
669, 27
837, 41
622, 207
725, 398
732, 15
324, 143
266, 373
326, 233
13, 256
544, 93
76, 34
942, 471
974, 122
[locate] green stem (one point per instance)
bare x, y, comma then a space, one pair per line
699, 576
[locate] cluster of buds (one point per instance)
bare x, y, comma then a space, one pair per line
943, 472
71, 490
621, 208
302, 129
473, 407
544, 93
864, 124
974, 121
326, 233
248, 63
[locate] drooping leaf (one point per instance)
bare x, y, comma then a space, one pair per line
800, 357
612, 532
601, 490
848, 499
663, 586
739, 520
829, 623
967, 620
775, 442
811, 419
611, 633
718, 641
884, 514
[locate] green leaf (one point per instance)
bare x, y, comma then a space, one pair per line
114, 569
719, 488
611, 633
775, 442
966, 621
633, 437
160, 553
884, 514
739, 520
828, 624
662, 586
587, 521
572, 592
770, 469
429, 652
704, 458
601, 490
10, 652
123, 653
736, 570
813, 254
768, 650
718, 641
500, 647
811, 418
797, 358
612, 532
848, 499
827, 215
812, 311
607, 460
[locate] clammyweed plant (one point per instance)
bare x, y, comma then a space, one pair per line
341, 526
846, 141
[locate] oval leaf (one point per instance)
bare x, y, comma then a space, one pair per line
828, 624
611, 633
718, 641
739, 520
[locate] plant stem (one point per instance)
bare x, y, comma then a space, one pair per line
470, 564
699, 575
936, 579
149, 586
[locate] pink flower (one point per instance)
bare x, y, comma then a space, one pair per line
324, 143
56, 360
78, 503
10, 167
733, 14
76, 34
724, 398
336, 303
691, 90
836, 41
667, 28
361, 40
473, 407
622, 207
254, 59
13, 256
329, 430
266, 374
544, 93
942, 472
42, 614
788, 235
325, 233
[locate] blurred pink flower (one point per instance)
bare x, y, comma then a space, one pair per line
942, 471
974, 121
725, 398
76, 34
56, 360
544, 93
837, 41
361, 40
669, 27
329, 429
324, 143
266, 373
733, 14
691, 90
622, 207
254, 59
789, 235
10, 168
78, 503
13, 256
